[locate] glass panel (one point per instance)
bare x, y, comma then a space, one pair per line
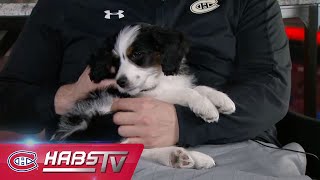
295, 32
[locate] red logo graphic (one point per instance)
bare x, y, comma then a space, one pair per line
22, 161
81, 161
69, 161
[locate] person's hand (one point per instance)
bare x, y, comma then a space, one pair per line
147, 121
68, 95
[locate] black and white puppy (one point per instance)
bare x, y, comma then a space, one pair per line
147, 61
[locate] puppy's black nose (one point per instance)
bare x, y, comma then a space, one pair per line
122, 81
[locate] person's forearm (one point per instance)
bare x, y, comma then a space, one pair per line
25, 108
258, 107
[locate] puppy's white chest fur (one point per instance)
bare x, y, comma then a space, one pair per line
169, 86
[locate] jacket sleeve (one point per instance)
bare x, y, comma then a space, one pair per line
260, 86
29, 80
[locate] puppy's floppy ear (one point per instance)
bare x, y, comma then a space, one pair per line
173, 47
103, 64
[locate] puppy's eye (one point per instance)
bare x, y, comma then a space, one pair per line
137, 54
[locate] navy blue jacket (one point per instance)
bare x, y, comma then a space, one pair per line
239, 48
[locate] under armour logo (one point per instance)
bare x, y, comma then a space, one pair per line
109, 13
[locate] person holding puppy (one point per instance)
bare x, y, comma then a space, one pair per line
238, 47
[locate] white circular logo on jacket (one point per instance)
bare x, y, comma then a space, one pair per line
204, 6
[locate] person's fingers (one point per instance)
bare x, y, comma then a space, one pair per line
103, 84
107, 82
85, 80
87, 70
126, 104
130, 131
125, 118
134, 140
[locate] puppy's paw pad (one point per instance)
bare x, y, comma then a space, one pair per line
180, 158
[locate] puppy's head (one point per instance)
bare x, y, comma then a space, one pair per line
145, 53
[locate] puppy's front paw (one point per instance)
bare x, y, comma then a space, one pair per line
222, 101
205, 109
227, 106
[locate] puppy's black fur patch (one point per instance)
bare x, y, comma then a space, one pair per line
101, 128
103, 64
171, 45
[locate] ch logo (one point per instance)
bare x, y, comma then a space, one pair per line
22, 161
204, 6
109, 14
